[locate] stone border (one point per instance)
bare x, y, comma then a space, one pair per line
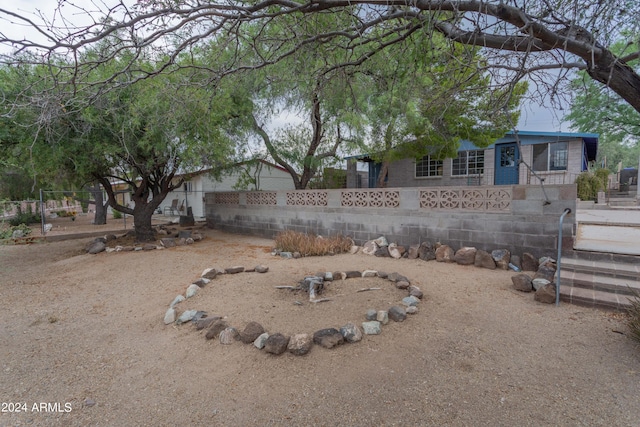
298, 344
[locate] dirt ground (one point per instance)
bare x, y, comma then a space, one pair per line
84, 335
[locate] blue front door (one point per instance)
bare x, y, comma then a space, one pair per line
507, 161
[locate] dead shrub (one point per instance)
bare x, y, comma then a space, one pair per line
634, 316
310, 245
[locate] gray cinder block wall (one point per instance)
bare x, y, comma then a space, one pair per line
527, 224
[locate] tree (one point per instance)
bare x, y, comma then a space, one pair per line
598, 109
520, 39
139, 136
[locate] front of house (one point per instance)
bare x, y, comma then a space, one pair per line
515, 159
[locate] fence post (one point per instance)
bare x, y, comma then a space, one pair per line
42, 217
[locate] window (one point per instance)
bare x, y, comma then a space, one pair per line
550, 157
426, 166
188, 187
468, 163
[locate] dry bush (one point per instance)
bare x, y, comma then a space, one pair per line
309, 244
634, 316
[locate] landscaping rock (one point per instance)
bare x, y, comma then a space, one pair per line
234, 270
539, 282
465, 256
297, 255
412, 252
381, 241
286, 254
353, 274
383, 317
96, 247
276, 344
201, 282
546, 294
396, 251
412, 310
168, 242
402, 284
426, 252
170, 316
502, 257
484, 259
300, 344
215, 329
370, 247
369, 273
261, 269
176, 300
261, 340
371, 314
228, 336
522, 282
396, 277
354, 249
186, 316
206, 322
371, 328
445, 253
148, 247
328, 338
410, 301
382, 252
351, 333
192, 290
415, 291
383, 274
529, 262
546, 272
251, 332
397, 313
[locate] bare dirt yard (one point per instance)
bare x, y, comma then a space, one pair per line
84, 335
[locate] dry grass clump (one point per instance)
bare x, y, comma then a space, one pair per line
634, 316
309, 244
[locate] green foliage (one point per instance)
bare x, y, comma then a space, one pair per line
590, 183
597, 109
310, 245
28, 217
634, 315
117, 214
7, 232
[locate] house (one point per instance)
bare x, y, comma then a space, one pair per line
257, 175
522, 158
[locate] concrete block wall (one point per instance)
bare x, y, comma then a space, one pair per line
530, 225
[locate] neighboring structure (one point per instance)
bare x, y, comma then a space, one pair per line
266, 176
558, 157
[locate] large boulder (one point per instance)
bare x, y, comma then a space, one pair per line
529, 262
396, 251
426, 251
465, 256
522, 282
546, 294
370, 247
445, 253
502, 257
484, 259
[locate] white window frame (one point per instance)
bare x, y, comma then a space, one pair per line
478, 154
434, 168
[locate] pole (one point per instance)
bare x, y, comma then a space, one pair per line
42, 218
565, 213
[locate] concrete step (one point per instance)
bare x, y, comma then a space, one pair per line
602, 280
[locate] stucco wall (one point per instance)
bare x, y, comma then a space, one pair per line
526, 224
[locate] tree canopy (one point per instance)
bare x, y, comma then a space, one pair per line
520, 39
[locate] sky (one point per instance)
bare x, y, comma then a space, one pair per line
534, 117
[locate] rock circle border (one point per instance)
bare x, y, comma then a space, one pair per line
350, 332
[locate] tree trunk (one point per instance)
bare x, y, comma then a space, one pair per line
382, 177
101, 207
142, 223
